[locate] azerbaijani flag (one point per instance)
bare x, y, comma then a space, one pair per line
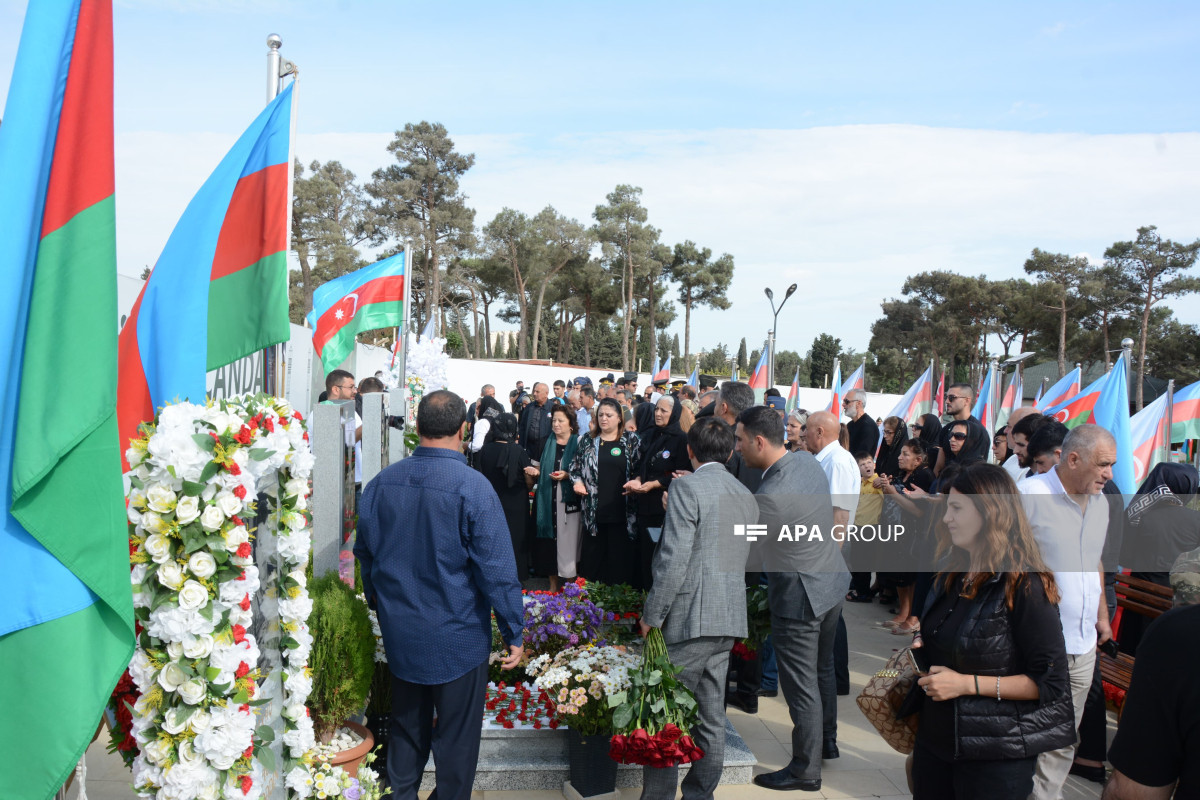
1148, 433
856, 381
694, 378
1037, 398
663, 373
1079, 409
835, 399
1111, 411
363, 300
985, 403
793, 399
1185, 414
759, 379
918, 400
1013, 397
1067, 386
939, 400
66, 607
219, 291
654, 371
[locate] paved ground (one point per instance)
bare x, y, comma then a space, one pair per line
868, 768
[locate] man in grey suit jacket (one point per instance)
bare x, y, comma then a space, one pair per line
698, 597
807, 581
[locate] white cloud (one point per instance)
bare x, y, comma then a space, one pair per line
848, 212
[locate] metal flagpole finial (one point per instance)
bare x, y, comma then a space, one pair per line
274, 41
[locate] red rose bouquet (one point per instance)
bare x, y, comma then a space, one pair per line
653, 717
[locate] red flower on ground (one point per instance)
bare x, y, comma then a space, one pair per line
537, 724
508, 723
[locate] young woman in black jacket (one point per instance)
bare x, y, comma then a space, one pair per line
996, 691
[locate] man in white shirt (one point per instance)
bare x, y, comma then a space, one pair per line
1069, 518
587, 404
1012, 465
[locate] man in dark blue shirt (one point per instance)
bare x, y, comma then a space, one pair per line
436, 560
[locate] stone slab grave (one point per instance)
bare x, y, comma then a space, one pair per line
530, 760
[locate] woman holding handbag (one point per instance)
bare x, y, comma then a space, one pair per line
994, 692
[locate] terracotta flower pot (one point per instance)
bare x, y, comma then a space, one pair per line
350, 759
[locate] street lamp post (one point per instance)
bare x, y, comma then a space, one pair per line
774, 323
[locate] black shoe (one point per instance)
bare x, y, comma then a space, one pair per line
742, 702
784, 781
829, 750
1093, 774
768, 692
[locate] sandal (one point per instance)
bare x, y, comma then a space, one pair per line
903, 630
888, 623
855, 596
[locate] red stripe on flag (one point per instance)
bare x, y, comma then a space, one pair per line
81, 174
255, 225
380, 290
134, 405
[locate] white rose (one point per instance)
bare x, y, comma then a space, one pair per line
137, 499
200, 722
157, 751
133, 515
171, 677
202, 564
137, 574
198, 646
235, 537
222, 760
153, 523
212, 518
158, 547
295, 486
174, 650
161, 498
187, 751
299, 577
170, 574
193, 595
175, 720
229, 503
295, 711
187, 509
193, 691
209, 792
134, 456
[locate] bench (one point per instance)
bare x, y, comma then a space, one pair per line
1135, 596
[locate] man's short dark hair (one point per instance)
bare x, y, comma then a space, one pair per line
688, 392
863, 454
440, 414
587, 391
772, 392
559, 383
711, 439
1027, 426
369, 385
1046, 439
737, 395
964, 388
336, 377
762, 421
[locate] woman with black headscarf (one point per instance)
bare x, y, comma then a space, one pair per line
1159, 524
486, 410
502, 461
895, 434
663, 452
928, 428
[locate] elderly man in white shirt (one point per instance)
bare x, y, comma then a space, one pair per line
1069, 518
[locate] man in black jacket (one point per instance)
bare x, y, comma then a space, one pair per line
534, 425
864, 433
959, 399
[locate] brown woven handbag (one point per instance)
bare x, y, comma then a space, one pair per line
882, 697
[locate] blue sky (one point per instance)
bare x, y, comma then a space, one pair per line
815, 142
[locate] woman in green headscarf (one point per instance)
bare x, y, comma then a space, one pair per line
557, 508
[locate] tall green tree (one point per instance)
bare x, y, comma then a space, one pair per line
557, 241
592, 288
716, 360
1159, 268
331, 219
628, 243
824, 350
742, 357
509, 239
1063, 276
1110, 294
419, 196
702, 282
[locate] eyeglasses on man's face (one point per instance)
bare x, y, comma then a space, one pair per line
950, 398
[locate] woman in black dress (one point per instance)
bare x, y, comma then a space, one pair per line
995, 692
602, 466
663, 452
900, 508
557, 509
502, 461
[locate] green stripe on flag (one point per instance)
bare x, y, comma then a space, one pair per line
248, 311
370, 317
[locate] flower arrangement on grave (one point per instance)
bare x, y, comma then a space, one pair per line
584, 684
556, 621
317, 777
758, 623
195, 472
652, 718
516, 705
343, 655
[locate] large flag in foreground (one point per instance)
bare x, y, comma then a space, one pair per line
1012, 399
1079, 409
1149, 436
1066, 387
918, 400
1111, 411
363, 300
760, 381
835, 398
219, 291
1185, 414
857, 380
985, 404
66, 611
793, 399
663, 373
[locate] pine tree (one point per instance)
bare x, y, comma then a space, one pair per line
741, 356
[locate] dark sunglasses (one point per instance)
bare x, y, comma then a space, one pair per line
950, 398
958, 437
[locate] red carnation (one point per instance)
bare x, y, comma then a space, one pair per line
537, 724
297, 415
243, 550
269, 424
553, 723
239, 634
244, 436
237, 520
500, 685
244, 707
249, 751
216, 438
242, 669
239, 492
245, 604
233, 468
246, 784
508, 723
242, 576
251, 688
253, 423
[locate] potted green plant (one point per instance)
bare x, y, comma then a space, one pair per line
342, 662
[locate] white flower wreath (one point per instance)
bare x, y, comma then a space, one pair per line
194, 475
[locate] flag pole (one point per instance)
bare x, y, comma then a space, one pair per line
277, 68
1170, 415
404, 323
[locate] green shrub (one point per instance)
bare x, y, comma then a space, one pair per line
343, 655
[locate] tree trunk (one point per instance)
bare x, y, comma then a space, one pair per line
523, 305
487, 326
1141, 365
305, 276
687, 328
474, 320
462, 333
653, 329
587, 338
1062, 337
628, 298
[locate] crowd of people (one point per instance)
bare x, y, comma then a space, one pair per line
1005, 595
